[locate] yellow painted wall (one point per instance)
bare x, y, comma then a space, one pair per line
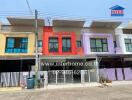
31, 42
2, 44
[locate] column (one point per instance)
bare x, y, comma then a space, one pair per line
82, 76
97, 68
46, 78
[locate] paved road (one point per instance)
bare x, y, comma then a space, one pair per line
122, 92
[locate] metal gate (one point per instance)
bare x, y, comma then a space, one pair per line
71, 76
60, 76
90, 75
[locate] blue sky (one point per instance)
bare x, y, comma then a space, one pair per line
89, 9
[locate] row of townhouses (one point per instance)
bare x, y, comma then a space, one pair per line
69, 52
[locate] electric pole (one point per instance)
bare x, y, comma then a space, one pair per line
36, 48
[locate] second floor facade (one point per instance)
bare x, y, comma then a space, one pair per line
65, 38
124, 41
18, 38
17, 43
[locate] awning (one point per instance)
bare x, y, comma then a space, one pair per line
115, 55
105, 24
62, 57
68, 23
20, 21
16, 57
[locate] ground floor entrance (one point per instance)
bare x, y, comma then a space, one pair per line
65, 71
71, 76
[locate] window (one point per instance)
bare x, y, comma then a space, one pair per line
79, 43
16, 45
128, 44
98, 45
66, 44
53, 44
39, 43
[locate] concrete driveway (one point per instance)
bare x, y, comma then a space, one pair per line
121, 92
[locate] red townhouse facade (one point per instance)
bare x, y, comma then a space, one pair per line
60, 43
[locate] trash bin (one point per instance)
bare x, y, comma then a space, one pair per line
30, 83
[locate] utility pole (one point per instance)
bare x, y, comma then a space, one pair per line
36, 49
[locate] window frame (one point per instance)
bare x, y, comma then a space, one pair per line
79, 43
53, 43
21, 48
66, 48
128, 45
40, 43
99, 48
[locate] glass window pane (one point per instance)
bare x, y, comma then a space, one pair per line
16, 44
53, 44
93, 50
104, 40
105, 48
98, 43
40, 43
127, 40
78, 43
129, 48
128, 44
66, 44
92, 43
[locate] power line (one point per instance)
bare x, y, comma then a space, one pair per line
62, 16
86, 18
29, 8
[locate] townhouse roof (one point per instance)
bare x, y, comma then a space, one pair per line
68, 23
24, 21
117, 7
105, 24
128, 26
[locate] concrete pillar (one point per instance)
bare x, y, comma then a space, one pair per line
56, 76
82, 76
97, 69
64, 73
89, 78
46, 78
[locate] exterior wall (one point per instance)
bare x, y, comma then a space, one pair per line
31, 42
49, 32
100, 30
2, 44
9, 28
121, 48
77, 30
120, 36
86, 42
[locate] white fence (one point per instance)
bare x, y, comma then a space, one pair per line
12, 79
